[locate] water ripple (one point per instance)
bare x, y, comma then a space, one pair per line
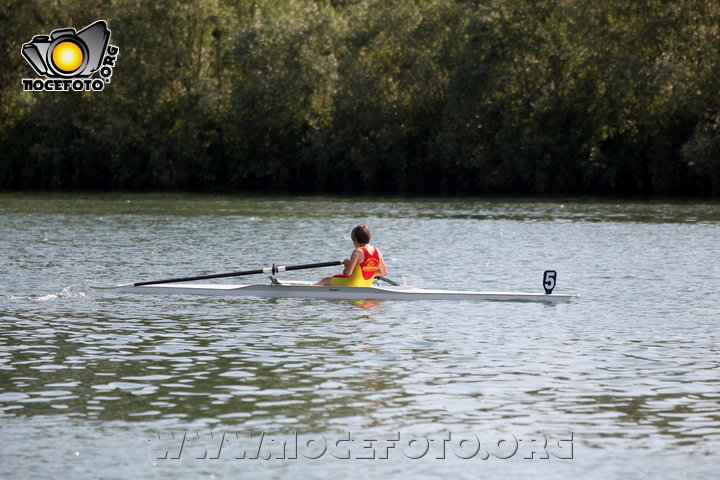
631, 366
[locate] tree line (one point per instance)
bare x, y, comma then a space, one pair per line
433, 96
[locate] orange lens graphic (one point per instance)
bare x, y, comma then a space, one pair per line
67, 56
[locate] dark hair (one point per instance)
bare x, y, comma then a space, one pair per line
361, 234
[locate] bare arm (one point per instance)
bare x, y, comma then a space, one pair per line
350, 263
382, 268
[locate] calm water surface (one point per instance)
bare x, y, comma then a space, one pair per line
104, 384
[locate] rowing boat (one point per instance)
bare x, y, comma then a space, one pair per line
284, 289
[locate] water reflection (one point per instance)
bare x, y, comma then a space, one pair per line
370, 307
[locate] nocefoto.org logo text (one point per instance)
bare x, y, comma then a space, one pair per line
68, 59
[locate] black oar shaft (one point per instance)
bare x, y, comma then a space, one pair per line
313, 265
391, 282
258, 271
200, 277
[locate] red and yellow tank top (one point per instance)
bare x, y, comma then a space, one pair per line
363, 273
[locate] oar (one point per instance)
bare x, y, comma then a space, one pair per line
271, 270
391, 282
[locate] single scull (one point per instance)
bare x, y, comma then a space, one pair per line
284, 289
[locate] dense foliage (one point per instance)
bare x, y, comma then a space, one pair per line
488, 96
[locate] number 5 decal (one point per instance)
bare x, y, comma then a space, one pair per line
549, 280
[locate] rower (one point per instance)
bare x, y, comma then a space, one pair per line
364, 263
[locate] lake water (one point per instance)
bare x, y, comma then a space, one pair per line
623, 382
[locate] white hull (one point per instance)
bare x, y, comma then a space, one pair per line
347, 293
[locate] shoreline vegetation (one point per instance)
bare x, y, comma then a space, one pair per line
509, 97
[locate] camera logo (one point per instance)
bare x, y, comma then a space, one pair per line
69, 59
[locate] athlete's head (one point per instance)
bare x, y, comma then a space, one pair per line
361, 234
